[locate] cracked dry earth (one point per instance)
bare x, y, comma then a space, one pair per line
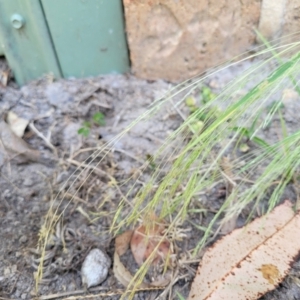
29, 189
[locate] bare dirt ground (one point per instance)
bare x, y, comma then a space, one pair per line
29, 189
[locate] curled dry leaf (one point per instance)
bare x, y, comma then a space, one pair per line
122, 243
16, 124
251, 260
146, 240
15, 146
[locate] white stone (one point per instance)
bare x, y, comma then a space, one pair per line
95, 268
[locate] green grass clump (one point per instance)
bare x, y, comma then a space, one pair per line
197, 164
192, 158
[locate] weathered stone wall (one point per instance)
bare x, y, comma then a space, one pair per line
271, 18
177, 39
279, 20
291, 22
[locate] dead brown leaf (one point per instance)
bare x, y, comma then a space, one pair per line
146, 240
121, 273
250, 261
122, 243
15, 146
16, 124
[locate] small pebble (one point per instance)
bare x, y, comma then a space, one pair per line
6, 194
27, 182
72, 286
24, 296
14, 268
95, 268
20, 199
214, 84
35, 209
18, 294
6, 271
23, 239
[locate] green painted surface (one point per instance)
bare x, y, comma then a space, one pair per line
88, 35
29, 49
1, 49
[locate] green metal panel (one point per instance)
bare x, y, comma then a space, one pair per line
27, 46
1, 43
88, 35
1, 49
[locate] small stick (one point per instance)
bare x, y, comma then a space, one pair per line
78, 292
40, 135
117, 119
128, 154
84, 291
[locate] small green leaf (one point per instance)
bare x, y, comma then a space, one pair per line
85, 131
99, 118
242, 131
260, 142
86, 124
150, 159
201, 115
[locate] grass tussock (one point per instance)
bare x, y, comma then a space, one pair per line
194, 159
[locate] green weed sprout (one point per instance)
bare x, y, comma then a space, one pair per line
98, 119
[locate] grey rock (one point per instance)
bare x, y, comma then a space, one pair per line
95, 268
28, 182
23, 239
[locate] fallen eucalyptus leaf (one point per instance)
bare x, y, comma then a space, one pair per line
250, 261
